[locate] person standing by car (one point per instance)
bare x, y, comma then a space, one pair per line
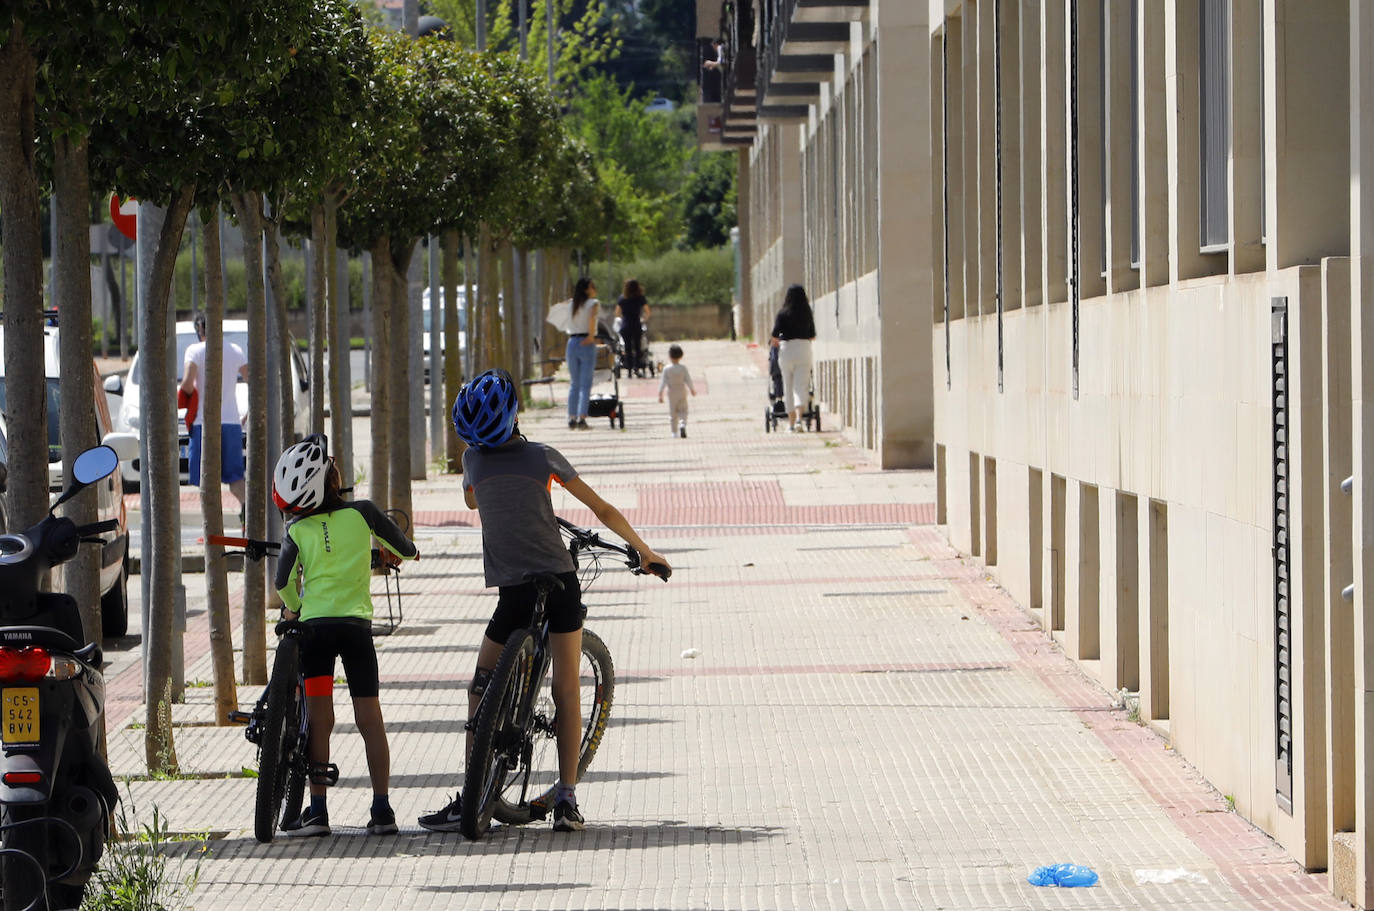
633, 310
794, 330
231, 427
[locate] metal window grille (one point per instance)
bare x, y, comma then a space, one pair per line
1283, 630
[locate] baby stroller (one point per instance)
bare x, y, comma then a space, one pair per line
635, 363
608, 367
777, 408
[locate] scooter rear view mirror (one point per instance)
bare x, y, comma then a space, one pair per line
92, 465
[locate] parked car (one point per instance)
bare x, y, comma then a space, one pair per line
236, 331
429, 322
661, 105
114, 563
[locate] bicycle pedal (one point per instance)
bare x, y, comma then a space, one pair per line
240, 717
323, 773
538, 809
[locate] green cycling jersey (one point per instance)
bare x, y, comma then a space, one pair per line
325, 567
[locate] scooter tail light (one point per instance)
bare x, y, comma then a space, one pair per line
64, 668
24, 665
14, 778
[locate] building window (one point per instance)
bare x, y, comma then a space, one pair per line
1215, 123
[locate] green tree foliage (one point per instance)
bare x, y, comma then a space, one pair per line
640, 157
709, 201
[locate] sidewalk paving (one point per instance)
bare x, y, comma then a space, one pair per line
871, 722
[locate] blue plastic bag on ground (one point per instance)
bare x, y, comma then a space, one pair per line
1068, 875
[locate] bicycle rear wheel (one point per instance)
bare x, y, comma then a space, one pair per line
280, 736
497, 734
517, 803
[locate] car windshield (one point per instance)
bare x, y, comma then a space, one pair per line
429, 320
54, 416
186, 340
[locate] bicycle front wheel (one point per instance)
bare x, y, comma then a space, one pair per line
280, 735
498, 735
519, 802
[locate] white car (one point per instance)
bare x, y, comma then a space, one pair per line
661, 105
114, 564
429, 322
236, 331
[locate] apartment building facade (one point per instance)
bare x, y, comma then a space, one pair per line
827, 105
1152, 424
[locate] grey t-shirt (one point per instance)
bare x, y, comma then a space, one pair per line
519, 533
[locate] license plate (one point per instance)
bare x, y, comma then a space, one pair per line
20, 721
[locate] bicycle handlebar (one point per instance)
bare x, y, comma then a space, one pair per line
253, 550
584, 538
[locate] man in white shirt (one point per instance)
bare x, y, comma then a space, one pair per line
231, 427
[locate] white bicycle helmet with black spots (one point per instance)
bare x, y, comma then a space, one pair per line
298, 483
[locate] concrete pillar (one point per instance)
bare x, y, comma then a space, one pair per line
1091, 203
969, 60
1340, 623
954, 154
938, 203
792, 224
903, 126
1309, 152
744, 206
1054, 185
1183, 25
1361, 165
1116, 44
1009, 29
987, 160
1153, 179
1031, 229
1247, 142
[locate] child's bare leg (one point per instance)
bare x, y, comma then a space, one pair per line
487, 656
567, 656
321, 709
367, 713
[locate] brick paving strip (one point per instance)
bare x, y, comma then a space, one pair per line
871, 723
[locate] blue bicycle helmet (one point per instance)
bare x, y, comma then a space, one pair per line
485, 409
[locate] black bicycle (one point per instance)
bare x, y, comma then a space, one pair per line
513, 766
279, 724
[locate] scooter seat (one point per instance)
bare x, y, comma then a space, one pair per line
41, 636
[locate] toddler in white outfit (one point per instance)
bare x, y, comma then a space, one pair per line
677, 382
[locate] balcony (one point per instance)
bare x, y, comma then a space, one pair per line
801, 39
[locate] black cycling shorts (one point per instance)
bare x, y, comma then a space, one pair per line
515, 605
350, 640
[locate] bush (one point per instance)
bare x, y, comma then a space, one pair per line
677, 277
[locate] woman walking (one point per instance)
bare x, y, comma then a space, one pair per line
581, 353
794, 330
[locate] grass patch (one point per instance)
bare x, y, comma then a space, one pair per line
137, 871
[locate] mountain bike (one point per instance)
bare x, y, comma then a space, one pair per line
513, 767
279, 724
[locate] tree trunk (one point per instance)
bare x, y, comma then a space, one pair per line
453, 353
249, 209
284, 409
340, 395
26, 404
514, 322
399, 379
72, 296
382, 285
319, 325
211, 503
162, 495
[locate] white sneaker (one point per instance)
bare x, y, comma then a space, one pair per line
791, 428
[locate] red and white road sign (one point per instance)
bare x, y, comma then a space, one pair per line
125, 216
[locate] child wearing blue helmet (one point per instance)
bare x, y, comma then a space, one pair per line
507, 479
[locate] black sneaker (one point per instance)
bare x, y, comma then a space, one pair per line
308, 825
383, 823
567, 818
449, 819
572, 425
582, 424
683, 432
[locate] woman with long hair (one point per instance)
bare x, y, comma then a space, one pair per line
794, 330
633, 310
581, 353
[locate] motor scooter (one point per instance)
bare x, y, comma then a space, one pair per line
56, 791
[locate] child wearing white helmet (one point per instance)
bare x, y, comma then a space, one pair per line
324, 578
